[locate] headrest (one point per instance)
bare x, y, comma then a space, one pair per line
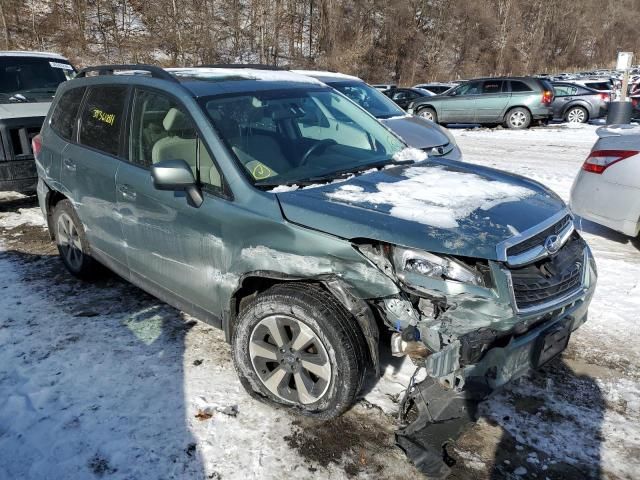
175, 120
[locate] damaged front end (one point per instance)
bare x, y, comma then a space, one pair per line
473, 325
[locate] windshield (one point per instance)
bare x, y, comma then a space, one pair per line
299, 135
369, 98
31, 79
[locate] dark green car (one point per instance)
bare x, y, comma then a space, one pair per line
514, 102
272, 206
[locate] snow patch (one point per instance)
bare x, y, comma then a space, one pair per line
427, 195
24, 216
410, 154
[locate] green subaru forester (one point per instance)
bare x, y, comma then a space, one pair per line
268, 204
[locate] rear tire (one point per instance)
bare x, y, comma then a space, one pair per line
428, 113
576, 115
518, 118
295, 345
71, 241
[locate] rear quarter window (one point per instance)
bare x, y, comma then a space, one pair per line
103, 117
518, 86
65, 112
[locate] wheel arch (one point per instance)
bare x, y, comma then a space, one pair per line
48, 203
254, 283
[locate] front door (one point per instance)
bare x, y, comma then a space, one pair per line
171, 245
459, 105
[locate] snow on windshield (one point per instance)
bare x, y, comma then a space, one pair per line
434, 196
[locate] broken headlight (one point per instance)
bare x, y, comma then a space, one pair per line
434, 266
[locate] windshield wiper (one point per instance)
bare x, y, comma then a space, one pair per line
340, 174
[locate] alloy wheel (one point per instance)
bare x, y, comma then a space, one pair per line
426, 113
576, 115
518, 119
69, 241
290, 359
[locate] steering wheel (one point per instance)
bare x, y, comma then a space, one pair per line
322, 144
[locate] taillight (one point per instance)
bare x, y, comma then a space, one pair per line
599, 160
547, 97
605, 96
634, 102
36, 145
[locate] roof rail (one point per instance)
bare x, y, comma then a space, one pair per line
255, 66
156, 72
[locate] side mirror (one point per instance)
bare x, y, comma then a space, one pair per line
176, 175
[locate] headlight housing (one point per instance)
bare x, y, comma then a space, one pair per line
407, 260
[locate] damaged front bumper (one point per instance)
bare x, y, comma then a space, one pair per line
468, 341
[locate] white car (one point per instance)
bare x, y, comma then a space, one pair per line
607, 189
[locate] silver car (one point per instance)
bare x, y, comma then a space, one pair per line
418, 132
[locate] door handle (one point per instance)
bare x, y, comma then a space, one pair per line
127, 192
69, 164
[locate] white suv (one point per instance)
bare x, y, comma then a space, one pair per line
28, 82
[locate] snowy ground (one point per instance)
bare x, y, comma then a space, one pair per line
102, 380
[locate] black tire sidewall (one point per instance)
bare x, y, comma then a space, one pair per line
87, 266
347, 364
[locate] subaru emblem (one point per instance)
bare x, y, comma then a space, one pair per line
552, 244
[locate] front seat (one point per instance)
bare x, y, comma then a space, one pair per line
180, 144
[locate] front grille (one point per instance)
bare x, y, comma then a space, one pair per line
539, 238
551, 278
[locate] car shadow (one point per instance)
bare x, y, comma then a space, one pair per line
548, 425
91, 373
593, 228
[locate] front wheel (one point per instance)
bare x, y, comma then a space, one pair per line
518, 118
428, 113
295, 345
576, 115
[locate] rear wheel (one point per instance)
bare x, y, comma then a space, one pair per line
71, 241
428, 113
518, 118
295, 345
576, 115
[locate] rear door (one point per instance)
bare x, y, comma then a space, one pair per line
564, 94
89, 168
492, 102
403, 97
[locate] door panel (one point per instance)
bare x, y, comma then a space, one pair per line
460, 105
492, 103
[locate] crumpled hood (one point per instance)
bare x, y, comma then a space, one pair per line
24, 110
440, 206
416, 131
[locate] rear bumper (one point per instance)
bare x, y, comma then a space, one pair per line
612, 205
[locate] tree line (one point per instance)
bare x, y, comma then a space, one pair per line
403, 41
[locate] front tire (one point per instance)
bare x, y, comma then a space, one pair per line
295, 345
71, 241
576, 115
428, 113
518, 118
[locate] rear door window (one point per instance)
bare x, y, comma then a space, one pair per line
64, 116
565, 90
518, 86
492, 86
102, 118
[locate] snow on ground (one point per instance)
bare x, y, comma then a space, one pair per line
98, 379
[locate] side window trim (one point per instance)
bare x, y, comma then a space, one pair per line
224, 191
